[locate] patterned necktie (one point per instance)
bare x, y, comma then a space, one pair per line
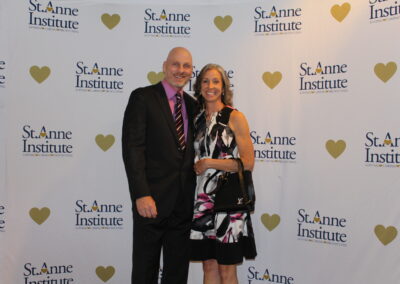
179, 122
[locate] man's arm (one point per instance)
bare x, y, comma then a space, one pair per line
133, 152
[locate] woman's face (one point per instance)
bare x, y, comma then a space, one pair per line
211, 86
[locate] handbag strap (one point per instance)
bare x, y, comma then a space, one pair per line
241, 177
207, 182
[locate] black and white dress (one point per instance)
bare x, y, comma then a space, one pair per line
226, 237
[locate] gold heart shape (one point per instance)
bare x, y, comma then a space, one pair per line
385, 235
340, 12
268, 140
270, 222
105, 142
110, 21
387, 141
94, 208
105, 273
222, 23
335, 148
39, 74
385, 72
39, 215
318, 70
154, 77
44, 270
272, 79
43, 134
316, 219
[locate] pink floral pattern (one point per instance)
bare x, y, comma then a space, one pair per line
215, 141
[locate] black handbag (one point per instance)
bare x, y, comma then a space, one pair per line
234, 191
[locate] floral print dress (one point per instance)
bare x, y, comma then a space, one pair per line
226, 237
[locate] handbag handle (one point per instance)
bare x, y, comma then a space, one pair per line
241, 177
208, 180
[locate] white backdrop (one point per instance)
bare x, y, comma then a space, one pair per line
317, 80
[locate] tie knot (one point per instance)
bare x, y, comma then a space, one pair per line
178, 97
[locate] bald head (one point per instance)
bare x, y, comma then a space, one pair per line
178, 67
180, 51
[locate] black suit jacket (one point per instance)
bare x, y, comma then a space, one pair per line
154, 164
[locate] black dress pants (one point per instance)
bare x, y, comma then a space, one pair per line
172, 235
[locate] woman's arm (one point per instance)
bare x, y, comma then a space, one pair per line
240, 128
238, 124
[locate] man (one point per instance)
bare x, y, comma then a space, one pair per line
157, 144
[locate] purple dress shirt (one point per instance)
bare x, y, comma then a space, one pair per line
171, 92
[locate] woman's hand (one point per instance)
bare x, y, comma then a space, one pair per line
201, 166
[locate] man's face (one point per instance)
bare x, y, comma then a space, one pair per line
178, 68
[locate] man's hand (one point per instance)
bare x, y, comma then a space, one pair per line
146, 207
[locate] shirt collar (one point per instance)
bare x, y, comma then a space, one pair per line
170, 90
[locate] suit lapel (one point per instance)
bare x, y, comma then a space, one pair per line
165, 109
190, 112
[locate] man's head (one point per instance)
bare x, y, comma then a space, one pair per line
178, 67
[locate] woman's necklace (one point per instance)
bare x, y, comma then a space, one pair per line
209, 119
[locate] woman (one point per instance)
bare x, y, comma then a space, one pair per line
220, 240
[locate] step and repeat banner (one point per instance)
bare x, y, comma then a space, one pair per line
317, 81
